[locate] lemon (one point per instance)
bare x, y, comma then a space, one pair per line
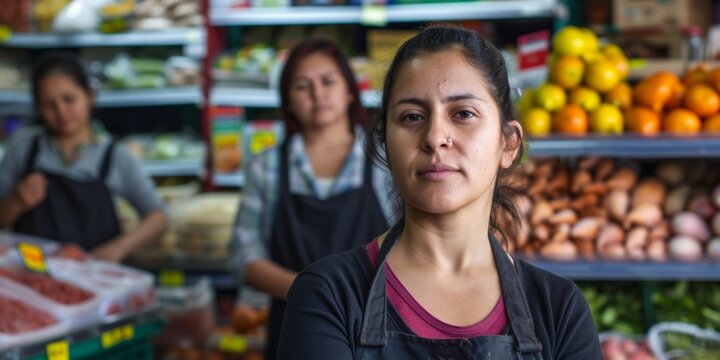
607, 119
550, 96
612, 50
567, 71
587, 98
569, 41
537, 122
591, 40
602, 75
526, 102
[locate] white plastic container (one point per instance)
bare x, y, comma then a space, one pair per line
140, 285
60, 326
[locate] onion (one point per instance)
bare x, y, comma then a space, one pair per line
559, 251
635, 243
562, 233
713, 249
584, 201
649, 190
660, 232
690, 224
676, 199
672, 172
586, 248
624, 178
604, 168
685, 248
613, 252
566, 216
588, 163
646, 215
579, 180
616, 202
701, 205
657, 250
541, 232
540, 212
610, 233
716, 223
586, 228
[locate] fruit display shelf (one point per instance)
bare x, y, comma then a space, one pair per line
664, 146
632, 271
508, 9
126, 336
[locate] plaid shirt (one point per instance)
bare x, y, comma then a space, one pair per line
256, 214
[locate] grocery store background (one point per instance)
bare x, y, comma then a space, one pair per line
619, 99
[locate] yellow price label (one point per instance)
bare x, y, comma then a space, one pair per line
261, 141
373, 15
233, 344
172, 277
117, 335
58, 350
5, 33
32, 257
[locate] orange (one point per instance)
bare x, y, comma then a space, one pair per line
655, 91
567, 71
621, 96
676, 99
713, 79
681, 121
712, 124
702, 99
621, 64
571, 119
602, 75
642, 120
696, 75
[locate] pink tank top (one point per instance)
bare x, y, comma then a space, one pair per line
424, 324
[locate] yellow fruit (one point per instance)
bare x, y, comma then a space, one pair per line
551, 97
607, 119
621, 63
567, 71
537, 122
591, 40
602, 76
569, 41
612, 50
526, 102
587, 98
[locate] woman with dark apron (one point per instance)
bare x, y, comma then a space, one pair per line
439, 285
315, 195
60, 181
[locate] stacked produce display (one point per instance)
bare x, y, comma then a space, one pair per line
68, 290
587, 91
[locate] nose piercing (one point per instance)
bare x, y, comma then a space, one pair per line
449, 140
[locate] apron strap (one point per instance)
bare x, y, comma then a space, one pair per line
373, 331
516, 305
107, 159
32, 154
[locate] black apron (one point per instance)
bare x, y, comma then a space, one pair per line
80, 212
380, 339
307, 229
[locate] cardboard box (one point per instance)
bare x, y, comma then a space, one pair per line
662, 14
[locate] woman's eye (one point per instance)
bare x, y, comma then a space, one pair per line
464, 114
412, 117
328, 82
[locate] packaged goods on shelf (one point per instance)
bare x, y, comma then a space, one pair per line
189, 310
26, 319
226, 138
660, 14
44, 12
204, 222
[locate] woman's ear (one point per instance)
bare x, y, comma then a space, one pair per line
512, 142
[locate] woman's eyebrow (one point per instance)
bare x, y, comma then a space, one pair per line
449, 99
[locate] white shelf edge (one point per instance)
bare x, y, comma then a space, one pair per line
236, 179
269, 98
505, 9
123, 98
177, 36
172, 167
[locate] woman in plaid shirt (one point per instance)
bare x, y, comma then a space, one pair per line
315, 195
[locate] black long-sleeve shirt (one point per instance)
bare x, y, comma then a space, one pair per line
326, 303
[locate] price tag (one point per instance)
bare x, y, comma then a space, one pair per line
117, 335
233, 344
172, 277
32, 257
58, 350
5, 33
373, 15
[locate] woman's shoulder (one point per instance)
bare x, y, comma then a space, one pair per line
26, 134
541, 281
353, 263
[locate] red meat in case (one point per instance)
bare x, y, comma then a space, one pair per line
17, 317
56, 290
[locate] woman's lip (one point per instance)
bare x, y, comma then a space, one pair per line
437, 171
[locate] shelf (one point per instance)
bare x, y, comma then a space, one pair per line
628, 146
481, 10
123, 98
229, 180
87, 343
172, 167
180, 37
191, 266
632, 271
269, 98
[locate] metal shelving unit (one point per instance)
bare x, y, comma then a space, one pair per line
172, 167
123, 98
269, 98
632, 271
229, 180
508, 9
628, 146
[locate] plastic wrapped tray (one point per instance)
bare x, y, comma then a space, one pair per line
681, 341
